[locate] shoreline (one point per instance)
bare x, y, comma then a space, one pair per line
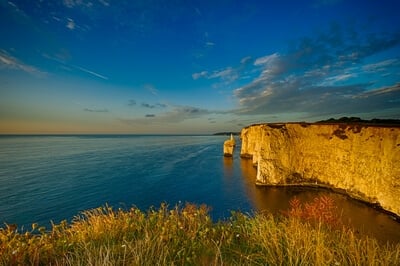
375, 206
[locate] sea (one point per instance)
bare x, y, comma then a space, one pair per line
46, 179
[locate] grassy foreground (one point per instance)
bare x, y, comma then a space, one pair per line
185, 235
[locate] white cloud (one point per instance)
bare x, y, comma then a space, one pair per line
245, 60
151, 89
17, 9
10, 62
228, 74
76, 3
381, 66
266, 60
69, 3
198, 75
338, 78
70, 24
105, 3
395, 89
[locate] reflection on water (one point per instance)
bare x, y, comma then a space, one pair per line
357, 215
228, 166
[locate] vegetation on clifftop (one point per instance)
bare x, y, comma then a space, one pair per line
357, 120
307, 234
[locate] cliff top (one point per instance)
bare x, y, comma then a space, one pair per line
343, 120
357, 120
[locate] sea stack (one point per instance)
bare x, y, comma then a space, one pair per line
229, 146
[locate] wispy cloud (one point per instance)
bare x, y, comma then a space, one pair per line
210, 44
9, 62
131, 102
82, 3
96, 110
382, 65
338, 78
246, 60
151, 106
387, 92
267, 60
322, 76
161, 105
150, 88
16, 9
69, 3
147, 105
198, 75
176, 115
227, 74
104, 2
70, 24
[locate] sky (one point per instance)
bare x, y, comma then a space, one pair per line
194, 67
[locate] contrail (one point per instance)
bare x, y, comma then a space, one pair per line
91, 72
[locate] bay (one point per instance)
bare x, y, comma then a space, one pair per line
52, 178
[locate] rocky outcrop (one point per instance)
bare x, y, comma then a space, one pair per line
229, 147
362, 160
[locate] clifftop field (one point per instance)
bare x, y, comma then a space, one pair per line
307, 234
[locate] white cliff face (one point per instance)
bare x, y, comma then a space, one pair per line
362, 160
229, 146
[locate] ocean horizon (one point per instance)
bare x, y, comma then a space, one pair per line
47, 178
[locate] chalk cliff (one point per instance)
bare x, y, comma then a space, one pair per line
363, 160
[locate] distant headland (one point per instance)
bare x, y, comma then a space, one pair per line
226, 133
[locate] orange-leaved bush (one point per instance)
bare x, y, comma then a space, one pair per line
322, 209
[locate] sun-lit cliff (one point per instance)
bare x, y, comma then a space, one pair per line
229, 146
363, 160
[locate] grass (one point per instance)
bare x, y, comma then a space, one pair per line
306, 234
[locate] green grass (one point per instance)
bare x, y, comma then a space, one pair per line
186, 235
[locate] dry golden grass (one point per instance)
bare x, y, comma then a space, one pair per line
186, 235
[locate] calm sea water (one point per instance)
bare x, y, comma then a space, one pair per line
52, 178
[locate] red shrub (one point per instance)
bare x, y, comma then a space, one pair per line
322, 209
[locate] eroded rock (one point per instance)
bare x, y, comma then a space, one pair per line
229, 146
362, 160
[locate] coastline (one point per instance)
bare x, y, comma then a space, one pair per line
340, 191
357, 158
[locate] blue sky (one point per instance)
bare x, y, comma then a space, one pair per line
103, 66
